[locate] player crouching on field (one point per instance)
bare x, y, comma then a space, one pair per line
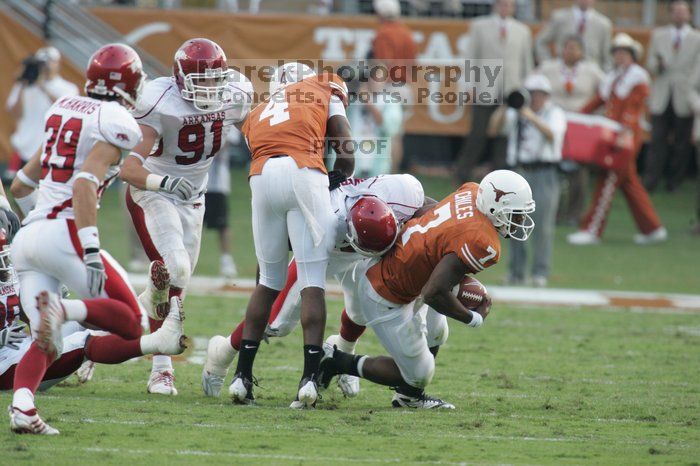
434, 252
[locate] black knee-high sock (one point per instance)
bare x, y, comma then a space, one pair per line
246, 357
312, 360
346, 362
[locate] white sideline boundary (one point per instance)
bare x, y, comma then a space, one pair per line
529, 297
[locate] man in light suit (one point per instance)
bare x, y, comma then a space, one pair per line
673, 52
593, 27
499, 37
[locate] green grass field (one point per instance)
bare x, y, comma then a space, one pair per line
533, 386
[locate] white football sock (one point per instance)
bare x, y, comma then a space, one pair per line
345, 346
23, 399
75, 309
162, 363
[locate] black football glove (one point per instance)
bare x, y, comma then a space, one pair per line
335, 178
9, 221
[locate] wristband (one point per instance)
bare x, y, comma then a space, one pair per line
90, 177
138, 156
26, 180
477, 320
89, 238
4, 203
27, 203
153, 182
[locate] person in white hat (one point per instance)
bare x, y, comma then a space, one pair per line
623, 92
535, 133
37, 87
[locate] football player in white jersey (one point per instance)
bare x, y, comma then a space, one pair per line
369, 214
184, 119
86, 138
78, 345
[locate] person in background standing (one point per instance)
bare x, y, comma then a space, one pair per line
582, 20
574, 81
216, 205
623, 92
38, 86
694, 99
394, 46
535, 138
497, 36
673, 53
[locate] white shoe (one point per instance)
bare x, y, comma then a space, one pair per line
219, 357
241, 391
421, 402
85, 371
29, 422
162, 383
169, 338
657, 236
582, 238
539, 281
349, 384
157, 291
227, 266
52, 315
307, 395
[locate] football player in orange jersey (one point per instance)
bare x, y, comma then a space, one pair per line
290, 185
434, 251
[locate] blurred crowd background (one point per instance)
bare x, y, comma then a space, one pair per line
568, 68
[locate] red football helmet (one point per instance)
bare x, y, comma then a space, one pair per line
372, 226
115, 70
201, 73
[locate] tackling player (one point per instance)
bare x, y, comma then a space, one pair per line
287, 136
184, 119
86, 138
369, 213
434, 252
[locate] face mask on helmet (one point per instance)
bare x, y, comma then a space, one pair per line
372, 227
207, 91
516, 225
7, 272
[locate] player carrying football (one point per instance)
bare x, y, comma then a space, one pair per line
434, 252
184, 119
86, 138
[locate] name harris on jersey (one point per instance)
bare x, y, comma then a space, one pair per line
78, 104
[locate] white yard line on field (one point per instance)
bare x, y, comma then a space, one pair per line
567, 298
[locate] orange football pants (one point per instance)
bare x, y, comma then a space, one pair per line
637, 199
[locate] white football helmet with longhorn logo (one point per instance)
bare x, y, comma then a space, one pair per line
506, 199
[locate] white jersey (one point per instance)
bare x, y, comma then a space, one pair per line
9, 303
402, 193
73, 125
188, 138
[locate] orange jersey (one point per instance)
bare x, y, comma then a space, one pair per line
293, 122
453, 226
393, 44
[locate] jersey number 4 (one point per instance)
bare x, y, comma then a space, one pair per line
192, 138
277, 109
64, 138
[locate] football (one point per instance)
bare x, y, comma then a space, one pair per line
470, 292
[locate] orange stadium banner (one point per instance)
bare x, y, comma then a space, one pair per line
251, 41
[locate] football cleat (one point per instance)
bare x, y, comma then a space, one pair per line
307, 394
349, 384
162, 383
423, 401
52, 315
241, 390
169, 338
85, 371
219, 357
29, 422
328, 367
160, 287
227, 266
